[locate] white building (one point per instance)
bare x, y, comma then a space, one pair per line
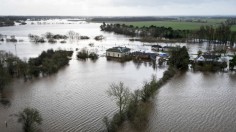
117, 52
208, 58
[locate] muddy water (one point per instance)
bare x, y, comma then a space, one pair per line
74, 99
196, 102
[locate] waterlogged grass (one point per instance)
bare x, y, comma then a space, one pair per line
173, 24
178, 24
215, 21
233, 28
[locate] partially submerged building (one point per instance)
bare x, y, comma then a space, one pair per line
208, 58
157, 48
117, 52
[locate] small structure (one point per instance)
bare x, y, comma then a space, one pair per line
117, 52
157, 48
208, 58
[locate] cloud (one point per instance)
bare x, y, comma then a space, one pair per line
117, 7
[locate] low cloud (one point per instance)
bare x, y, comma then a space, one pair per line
117, 7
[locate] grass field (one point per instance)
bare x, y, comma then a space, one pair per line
178, 24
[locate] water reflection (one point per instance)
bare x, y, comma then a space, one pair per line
4, 99
74, 99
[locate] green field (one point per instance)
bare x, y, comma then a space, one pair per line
178, 24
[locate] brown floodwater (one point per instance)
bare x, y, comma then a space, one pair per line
196, 102
74, 99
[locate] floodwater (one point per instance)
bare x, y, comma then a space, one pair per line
196, 102
74, 99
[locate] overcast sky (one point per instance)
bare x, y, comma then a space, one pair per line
117, 7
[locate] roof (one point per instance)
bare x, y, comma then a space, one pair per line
156, 46
119, 49
211, 56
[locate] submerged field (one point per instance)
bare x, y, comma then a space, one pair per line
182, 25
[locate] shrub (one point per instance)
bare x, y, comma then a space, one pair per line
83, 54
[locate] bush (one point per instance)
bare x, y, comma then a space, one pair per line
133, 105
49, 62
83, 54
93, 56
52, 41
141, 116
113, 124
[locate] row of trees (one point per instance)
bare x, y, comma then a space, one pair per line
6, 22
221, 34
151, 31
232, 63
52, 38
134, 106
231, 21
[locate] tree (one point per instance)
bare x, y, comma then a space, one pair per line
121, 94
232, 63
179, 58
29, 117
71, 34
4, 78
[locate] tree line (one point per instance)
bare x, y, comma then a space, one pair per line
221, 34
131, 19
232, 63
52, 38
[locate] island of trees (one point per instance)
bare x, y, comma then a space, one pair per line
47, 63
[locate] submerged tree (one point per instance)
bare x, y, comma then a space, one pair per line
29, 117
121, 94
179, 58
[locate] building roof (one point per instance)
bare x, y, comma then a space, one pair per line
208, 57
211, 56
119, 49
156, 46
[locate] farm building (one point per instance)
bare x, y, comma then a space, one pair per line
117, 52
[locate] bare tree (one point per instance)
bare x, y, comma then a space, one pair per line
71, 34
120, 94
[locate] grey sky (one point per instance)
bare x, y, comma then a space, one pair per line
117, 7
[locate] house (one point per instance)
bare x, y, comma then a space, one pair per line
208, 58
156, 48
117, 52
